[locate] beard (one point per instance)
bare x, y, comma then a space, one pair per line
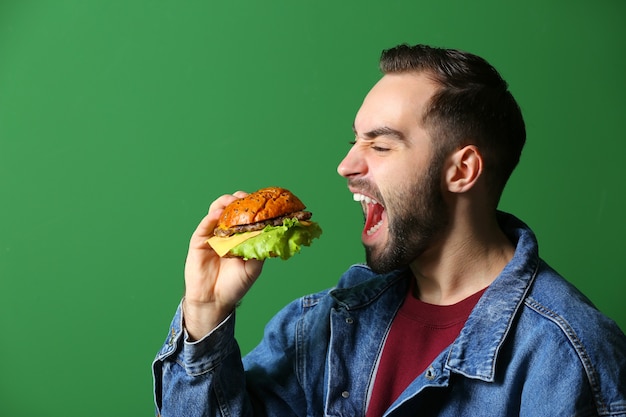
417, 215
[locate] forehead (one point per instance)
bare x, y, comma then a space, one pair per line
396, 100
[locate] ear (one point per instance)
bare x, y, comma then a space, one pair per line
464, 167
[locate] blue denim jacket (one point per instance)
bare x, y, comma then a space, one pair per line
532, 346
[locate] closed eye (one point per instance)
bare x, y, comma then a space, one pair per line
380, 140
372, 144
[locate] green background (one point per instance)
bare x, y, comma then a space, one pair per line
120, 122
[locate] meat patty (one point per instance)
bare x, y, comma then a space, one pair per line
276, 221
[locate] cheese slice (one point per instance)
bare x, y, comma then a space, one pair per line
222, 245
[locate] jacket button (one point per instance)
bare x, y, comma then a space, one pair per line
349, 320
430, 373
345, 394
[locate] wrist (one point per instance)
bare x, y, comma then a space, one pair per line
199, 319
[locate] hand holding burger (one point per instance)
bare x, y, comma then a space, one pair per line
268, 223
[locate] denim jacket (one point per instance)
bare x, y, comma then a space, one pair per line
532, 346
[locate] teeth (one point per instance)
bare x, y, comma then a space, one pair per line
374, 228
366, 199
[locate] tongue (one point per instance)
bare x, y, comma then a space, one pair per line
374, 215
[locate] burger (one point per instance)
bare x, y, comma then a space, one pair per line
269, 223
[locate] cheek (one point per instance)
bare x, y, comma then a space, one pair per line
400, 174
400, 183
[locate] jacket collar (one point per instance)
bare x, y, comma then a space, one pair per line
475, 350
357, 288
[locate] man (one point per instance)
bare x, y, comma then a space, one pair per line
455, 314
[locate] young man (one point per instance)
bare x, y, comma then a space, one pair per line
455, 314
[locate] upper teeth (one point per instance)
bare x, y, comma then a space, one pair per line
361, 197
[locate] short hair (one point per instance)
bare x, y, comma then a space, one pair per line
472, 106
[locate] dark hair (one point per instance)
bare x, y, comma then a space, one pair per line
473, 106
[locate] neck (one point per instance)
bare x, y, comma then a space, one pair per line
468, 258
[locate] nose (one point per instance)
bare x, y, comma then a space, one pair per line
353, 164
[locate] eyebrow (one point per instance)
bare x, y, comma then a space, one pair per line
383, 131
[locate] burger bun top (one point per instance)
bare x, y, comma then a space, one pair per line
264, 204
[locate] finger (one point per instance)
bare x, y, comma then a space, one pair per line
203, 231
208, 223
253, 268
222, 202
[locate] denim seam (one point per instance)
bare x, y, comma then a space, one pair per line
578, 346
222, 401
300, 336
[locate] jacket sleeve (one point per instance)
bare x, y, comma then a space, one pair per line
207, 377
198, 378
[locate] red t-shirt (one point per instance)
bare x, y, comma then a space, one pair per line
418, 334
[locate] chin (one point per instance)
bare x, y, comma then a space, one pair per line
393, 255
382, 263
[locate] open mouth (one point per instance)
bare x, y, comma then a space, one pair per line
373, 213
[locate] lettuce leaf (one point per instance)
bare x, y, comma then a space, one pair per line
282, 241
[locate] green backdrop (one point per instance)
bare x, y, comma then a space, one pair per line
120, 122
